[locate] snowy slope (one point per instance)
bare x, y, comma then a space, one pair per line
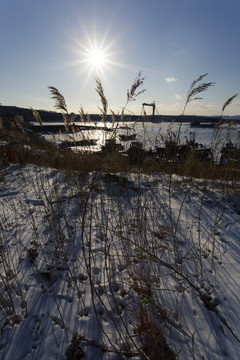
133, 264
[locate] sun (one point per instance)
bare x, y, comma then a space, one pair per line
96, 53
96, 58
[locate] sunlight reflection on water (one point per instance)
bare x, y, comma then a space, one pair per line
150, 134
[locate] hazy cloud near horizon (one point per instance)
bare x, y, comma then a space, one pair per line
171, 79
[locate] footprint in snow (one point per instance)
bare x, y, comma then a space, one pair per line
100, 290
96, 270
84, 312
83, 277
115, 286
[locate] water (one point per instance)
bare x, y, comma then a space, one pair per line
153, 134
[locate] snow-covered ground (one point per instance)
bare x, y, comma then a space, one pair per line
132, 264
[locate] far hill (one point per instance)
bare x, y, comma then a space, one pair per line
52, 116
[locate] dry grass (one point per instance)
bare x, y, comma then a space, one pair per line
103, 99
194, 89
60, 103
37, 116
228, 102
133, 92
30, 148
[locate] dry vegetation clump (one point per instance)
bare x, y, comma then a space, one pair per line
23, 146
20, 143
196, 168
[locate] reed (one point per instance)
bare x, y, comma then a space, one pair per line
218, 139
37, 116
194, 89
133, 93
60, 103
227, 103
100, 91
82, 114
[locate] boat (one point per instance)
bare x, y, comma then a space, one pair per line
84, 142
202, 124
124, 137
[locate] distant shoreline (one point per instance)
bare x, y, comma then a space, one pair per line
52, 116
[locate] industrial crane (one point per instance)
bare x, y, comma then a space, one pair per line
153, 106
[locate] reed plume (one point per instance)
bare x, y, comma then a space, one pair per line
228, 102
82, 114
60, 103
194, 90
220, 126
132, 93
103, 99
113, 117
37, 116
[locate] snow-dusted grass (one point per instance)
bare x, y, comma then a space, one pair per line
113, 265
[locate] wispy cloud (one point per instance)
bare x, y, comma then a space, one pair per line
236, 103
170, 79
178, 97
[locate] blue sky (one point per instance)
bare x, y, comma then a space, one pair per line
51, 43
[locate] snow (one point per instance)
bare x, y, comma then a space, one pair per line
123, 260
